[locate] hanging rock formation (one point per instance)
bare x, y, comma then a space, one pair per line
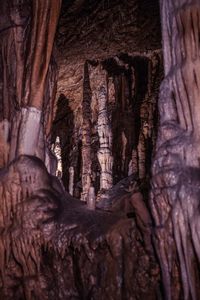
28, 84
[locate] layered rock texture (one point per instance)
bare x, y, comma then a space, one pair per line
91, 206
175, 182
53, 247
110, 69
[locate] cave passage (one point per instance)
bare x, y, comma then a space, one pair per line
79, 88
99, 150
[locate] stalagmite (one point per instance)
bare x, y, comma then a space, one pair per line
142, 151
141, 157
133, 164
105, 141
56, 148
86, 136
91, 199
71, 180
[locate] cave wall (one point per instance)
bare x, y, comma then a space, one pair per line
52, 245
175, 181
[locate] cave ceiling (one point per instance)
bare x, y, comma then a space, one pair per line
98, 29
95, 31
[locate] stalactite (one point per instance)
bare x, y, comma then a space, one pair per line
86, 136
111, 91
25, 91
39, 71
105, 141
7, 54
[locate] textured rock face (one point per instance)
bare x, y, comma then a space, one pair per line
176, 176
53, 247
121, 48
130, 118
109, 70
27, 78
109, 35
101, 29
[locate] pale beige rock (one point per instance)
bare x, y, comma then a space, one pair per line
91, 199
105, 141
71, 180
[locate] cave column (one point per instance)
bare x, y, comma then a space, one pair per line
28, 137
141, 156
71, 180
56, 148
86, 136
105, 140
133, 164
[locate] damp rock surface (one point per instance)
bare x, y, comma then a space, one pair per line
58, 249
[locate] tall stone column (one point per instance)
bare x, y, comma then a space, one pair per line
105, 141
31, 89
86, 136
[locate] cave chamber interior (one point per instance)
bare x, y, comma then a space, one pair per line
79, 89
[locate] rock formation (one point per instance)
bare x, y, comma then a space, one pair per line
175, 183
52, 247
99, 175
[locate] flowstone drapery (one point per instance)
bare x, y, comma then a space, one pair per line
28, 84
53, 246
176, 174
